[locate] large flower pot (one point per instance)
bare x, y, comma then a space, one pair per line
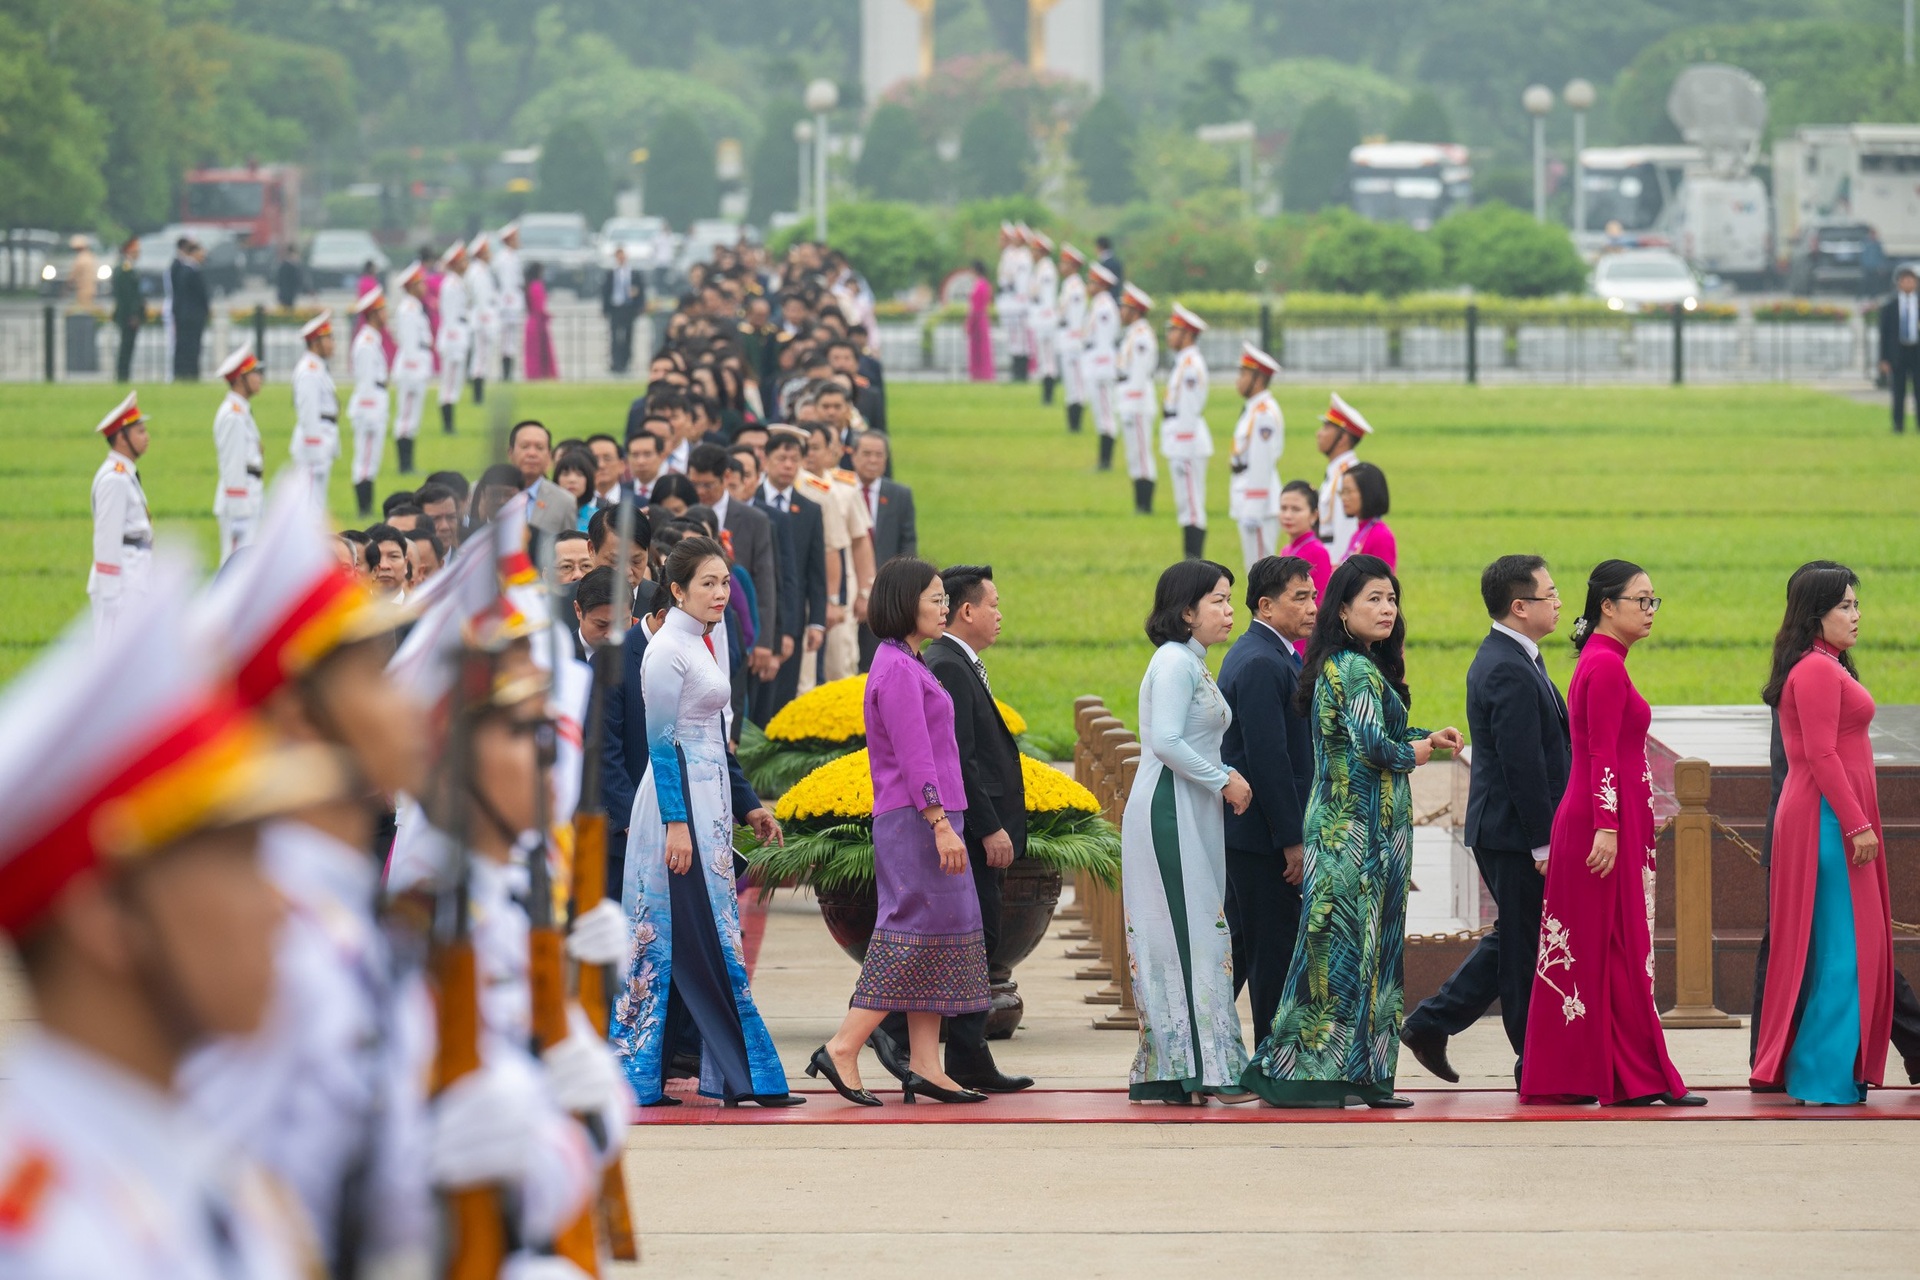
1028, 894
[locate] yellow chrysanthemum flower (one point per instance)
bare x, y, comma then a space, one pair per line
1049, 790
1016, 723
843, 788
836, 712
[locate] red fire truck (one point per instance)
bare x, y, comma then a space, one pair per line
258, 203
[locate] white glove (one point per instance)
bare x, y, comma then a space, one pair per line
482, 1127
582, 1076
599, 934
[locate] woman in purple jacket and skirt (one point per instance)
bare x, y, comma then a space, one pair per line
928, 957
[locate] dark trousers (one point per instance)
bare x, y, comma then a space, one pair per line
769, 696
700, 997
621, 325
123, 362
186, 349
1904, 373
1502, 964
869, 645
1263, 917
967, 1051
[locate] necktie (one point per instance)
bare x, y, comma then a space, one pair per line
980, 669
1540, 665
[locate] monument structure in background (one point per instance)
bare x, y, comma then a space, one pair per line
897, 42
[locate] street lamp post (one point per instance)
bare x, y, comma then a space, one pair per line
822, 96
1579, 95
803, 138
1538, 100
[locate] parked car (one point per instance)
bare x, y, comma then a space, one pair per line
225, 265
56, 274
1838, 257
649, 243
24, 254
563, 245
1640, 278
338, 257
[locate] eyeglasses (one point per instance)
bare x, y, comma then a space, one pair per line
1648, 604
1551, 595
940, 600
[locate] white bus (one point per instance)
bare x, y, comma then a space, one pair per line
1631, 186
1417, 183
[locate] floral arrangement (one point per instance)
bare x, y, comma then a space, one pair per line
818, 727
1799, 310
828, 822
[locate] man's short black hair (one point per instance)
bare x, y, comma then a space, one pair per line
659, 445
668, 399
598, 436
404, 509
431, 493
605, 523
452, 481
426, 536
739, 456
573, 535
402, 498
778, 440
1508, 579
513, 436
377, 534
1270, 577
501, 476
708, 460
965, 584
594, 590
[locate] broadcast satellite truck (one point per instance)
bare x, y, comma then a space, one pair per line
1864, 173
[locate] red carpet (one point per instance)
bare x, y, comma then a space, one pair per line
1110, 1106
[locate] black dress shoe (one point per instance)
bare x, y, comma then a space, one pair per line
992, 1080
822, 1061
1392, 1102
1429, 1049
887, 1050
683, 1066
665, 1100
915, 1083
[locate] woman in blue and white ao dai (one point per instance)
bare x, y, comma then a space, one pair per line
688, 966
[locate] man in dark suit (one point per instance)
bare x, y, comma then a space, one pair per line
623, 296
1111, 261
889, 510
1271, 744
190, 309
784, 453
996, 825
745, 484
751, 535
1900, 341
1521, 754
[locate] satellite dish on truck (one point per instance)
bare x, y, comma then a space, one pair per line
1723, 111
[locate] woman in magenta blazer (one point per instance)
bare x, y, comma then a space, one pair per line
928, 957
1363, 493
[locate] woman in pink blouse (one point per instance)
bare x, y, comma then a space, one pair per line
1300, 524
928, 957
1363, 494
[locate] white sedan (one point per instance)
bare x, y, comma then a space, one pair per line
1638, 278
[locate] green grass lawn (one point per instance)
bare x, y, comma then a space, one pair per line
1720, 492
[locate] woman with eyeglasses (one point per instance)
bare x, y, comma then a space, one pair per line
1828, 1006
688, 969
1593, 1034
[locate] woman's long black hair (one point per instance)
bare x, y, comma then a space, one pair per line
1607, 581
1812, 592
1330, 635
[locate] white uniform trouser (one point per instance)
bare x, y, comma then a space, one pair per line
315, 460
1189, 479
1046, 347
132, 584
1136, 433
1100, 393
369, 436
843, 648
1013, 325
411, 400
485, 344
1073, 373
1259, 538
455, 346
235, 532
513, 335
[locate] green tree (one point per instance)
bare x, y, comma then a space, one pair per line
573, 171
1205, 242
993, 153
1422, 119
895, 161
680, 181
1348, 254
1496, 248
1212, 95
1102, 145
51, 142
773, 168
1313, 173
973, 229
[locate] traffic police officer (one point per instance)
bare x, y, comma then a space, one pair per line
456, 333
122, 526
1342, 428
316, 409
1184, 437
1258, 439
1102, 335
412, 360
849, 541
368, 408
1138, 361
236, 445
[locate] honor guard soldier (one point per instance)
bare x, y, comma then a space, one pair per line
1258, 438
122, 526
130, 885
412, 360
1012, 274
1138, 361
484, 291
1184, 437
236, 445
1341, 431
1102, 336
849, 545
368, 408
1043, 321
511, 276
456, 330
316, 409
1070, 313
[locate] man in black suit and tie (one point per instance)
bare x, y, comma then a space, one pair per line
785, 447
1900, 341
1271, 744
996, 826
190, 309
889, 510
745, 485
1521, 754
623, 296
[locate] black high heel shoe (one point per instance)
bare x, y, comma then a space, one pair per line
1392, 1102
915, 1083
767, 1100
1668, 1099
822, 1061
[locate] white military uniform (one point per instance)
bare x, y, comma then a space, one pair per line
1336, 526
1258, 439
1139, 360
412, 364
316, 424
330, 1095
236, 443
1070, 312
456, 334
1184, 437
843, 522
1043, 321
369, 407
1012, 275
511, 277
122, 540
1103, 333
103, 1174
485, 291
